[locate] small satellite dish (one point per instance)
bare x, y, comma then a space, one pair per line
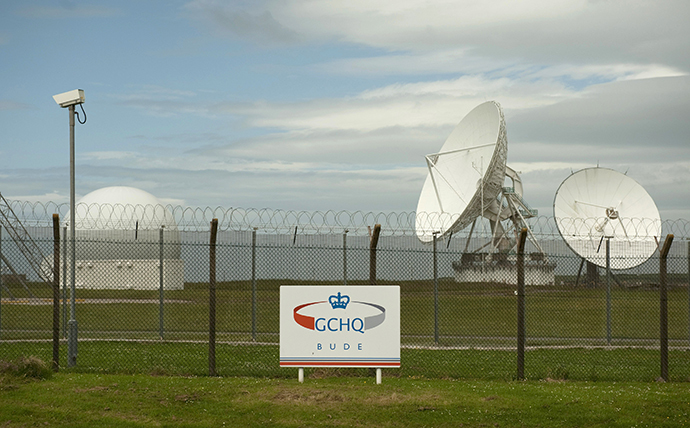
466, 175
596, 204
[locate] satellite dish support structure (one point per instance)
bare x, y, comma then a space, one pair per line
449, 201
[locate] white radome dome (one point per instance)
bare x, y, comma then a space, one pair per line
121, 208
118, 222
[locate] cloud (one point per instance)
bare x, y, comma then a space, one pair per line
69, 9
319, 189
581, 82
376, 166
54, 196
107, 155
634, 117
471, 62
436, 103
163, 102
378, 138
546, 31
326, 149
233, 19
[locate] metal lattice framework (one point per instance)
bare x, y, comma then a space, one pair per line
19, 234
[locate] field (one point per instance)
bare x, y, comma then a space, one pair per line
96, 400
128, 375
120, 330
191, 359
469, 314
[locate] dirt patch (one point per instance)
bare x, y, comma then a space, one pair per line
328, 372
94, 389
393, 398
187, 398
314, 396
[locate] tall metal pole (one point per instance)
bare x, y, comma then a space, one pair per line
56, 292
72, 343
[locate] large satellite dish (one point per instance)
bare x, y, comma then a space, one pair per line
466, 175
598, 204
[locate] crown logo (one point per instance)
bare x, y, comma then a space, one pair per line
339, 301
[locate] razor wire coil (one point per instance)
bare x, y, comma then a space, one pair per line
277, 221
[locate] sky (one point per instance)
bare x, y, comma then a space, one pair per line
320, 105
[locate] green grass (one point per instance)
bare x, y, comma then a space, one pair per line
471, 316
190, 359
96, 400
26, 368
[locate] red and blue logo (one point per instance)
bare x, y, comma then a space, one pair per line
339, 302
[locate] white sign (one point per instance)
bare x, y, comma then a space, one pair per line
339, 326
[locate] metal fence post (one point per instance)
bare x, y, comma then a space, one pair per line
663, 303
254, 284
64, 282
373, 243
608, 290
212, 299
435, 234
160, 285
56, 292
345, 257
521, 334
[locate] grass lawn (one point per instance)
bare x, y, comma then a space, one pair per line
119, 331
95, 400
191, 359
470, 315
127, 376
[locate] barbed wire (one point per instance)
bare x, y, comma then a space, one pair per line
266, 220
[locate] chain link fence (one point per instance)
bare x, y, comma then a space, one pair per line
142, 295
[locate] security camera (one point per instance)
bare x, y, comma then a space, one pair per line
70, 98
